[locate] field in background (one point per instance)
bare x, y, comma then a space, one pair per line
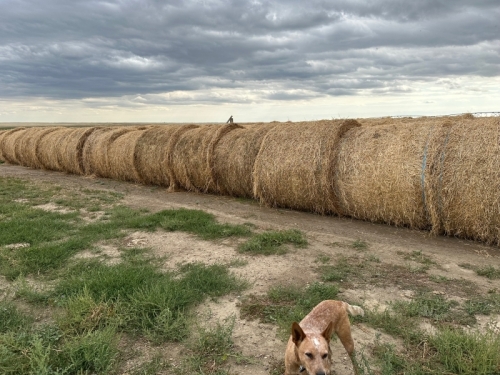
100, 276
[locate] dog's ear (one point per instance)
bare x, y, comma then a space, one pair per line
298, 334
328, 332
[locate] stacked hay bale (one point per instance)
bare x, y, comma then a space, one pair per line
467, 182
122, 155
27, 144
8, 143
296, 164
383, 172
70, 151
234, 158
191, 157
152, 153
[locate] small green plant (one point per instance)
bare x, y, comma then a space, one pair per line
360, 244
489, 271
272, 242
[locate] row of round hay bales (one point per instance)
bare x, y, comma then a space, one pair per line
8, 142
296, 164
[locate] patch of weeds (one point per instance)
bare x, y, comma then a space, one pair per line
11, 319
156, 365
285, 304
277, 366
484, 305
272, 242
417, 256
211, 349
237, 262
489, 271
359, 245
323, 258
394, 323
344, 269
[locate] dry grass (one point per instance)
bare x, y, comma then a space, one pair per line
70, 150
234, 159
48, 150
27, 144
296, 164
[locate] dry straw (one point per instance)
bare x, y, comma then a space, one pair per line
70, 150
8, 144
468, 180
2, 132
48, 149
152, 152
234, 159
95, 150
191, 157
384, 172
122, 155
27, 144
296, 164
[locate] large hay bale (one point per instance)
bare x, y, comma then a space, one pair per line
467, 183
70, 150
95, 150
8, 144
383, 174
49, 148
152, 153
296, 164
190, 157
234, 159
122, 155
27, 144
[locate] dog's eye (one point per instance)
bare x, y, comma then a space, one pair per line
324, 356
309, 355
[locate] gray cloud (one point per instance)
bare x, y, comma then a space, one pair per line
283, 50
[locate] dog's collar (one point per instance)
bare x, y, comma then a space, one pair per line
302, 369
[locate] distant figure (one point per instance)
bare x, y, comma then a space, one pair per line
230, 121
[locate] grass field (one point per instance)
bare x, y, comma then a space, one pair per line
67, 307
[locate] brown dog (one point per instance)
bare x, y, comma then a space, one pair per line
308, 348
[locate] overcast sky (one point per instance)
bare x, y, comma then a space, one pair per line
204, 60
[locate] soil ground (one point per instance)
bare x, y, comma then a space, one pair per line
327, 236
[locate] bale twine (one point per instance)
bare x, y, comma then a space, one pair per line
48, 149
467, 186
122, 155
95, 150
27, 144
296, 163
383, 174
190, 157
234, 159
8, 144
152, 152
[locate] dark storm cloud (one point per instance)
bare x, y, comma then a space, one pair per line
298, 49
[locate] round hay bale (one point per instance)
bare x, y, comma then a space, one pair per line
152, 152
8, 144
296, 163
190, 157
383, 175
122, 155
70, 150
27, 143
49, 146
234, 159
467, 186
95, 150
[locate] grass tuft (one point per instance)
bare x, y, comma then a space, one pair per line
272, 242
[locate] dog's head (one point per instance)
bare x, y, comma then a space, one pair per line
313, 349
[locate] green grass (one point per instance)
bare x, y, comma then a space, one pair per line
285, 304
273, 242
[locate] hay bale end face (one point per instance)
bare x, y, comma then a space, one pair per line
468, 182
152, 154
8, 144
234, 158
382, 172
122, 155
296, 164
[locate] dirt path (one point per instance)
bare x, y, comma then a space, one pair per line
326, 235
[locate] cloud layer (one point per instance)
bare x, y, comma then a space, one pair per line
211, 52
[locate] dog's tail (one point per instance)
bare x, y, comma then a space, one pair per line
354, 310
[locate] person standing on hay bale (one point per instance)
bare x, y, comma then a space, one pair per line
230, 121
